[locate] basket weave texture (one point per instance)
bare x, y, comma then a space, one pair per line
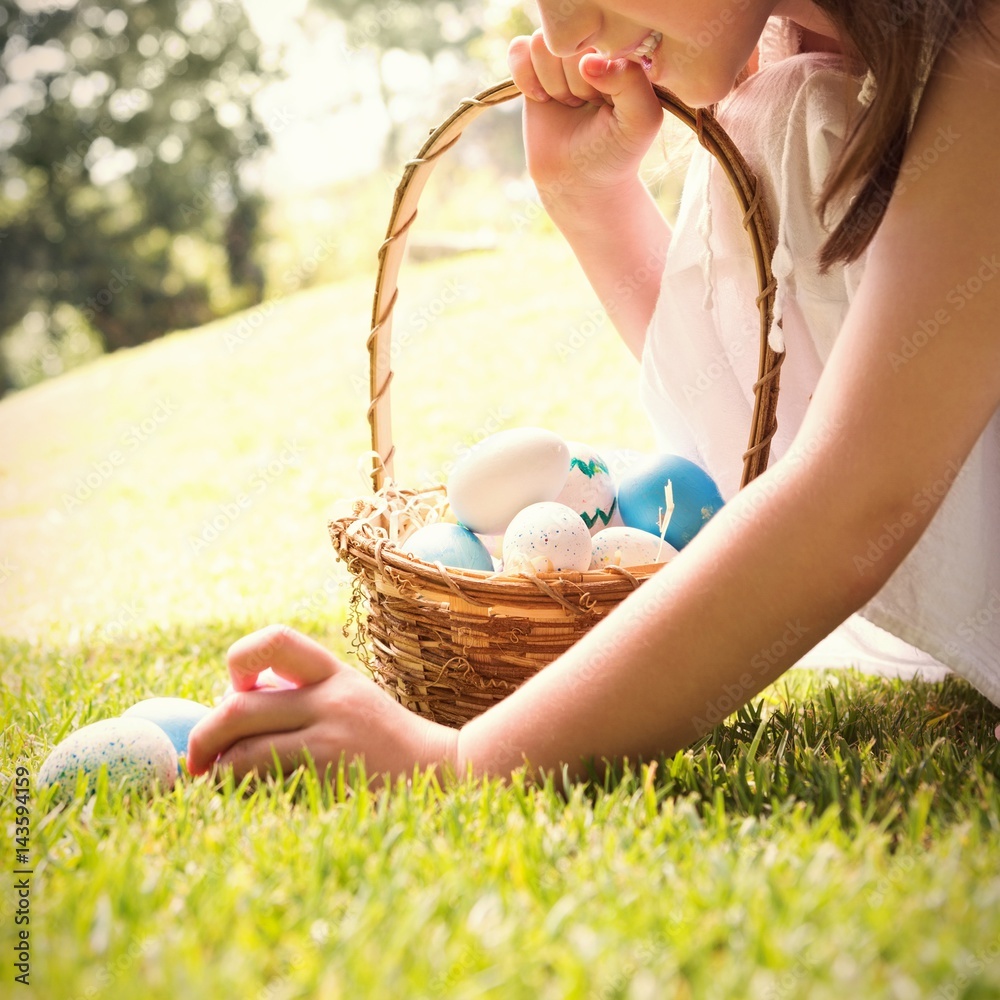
449, 643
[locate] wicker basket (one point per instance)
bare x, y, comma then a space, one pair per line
449, 643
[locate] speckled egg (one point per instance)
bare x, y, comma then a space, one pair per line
629, 547
641, 498
590, 487
549, 535
449, 544
137, 753
504, 473
175, 716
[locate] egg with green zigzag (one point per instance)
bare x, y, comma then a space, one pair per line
590, 487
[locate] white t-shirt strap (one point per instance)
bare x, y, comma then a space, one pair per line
780, 39
705, 223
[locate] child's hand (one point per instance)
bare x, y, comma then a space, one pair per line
267, 680
330, 709
588, 121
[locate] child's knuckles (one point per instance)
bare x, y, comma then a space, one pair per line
518, 49
539, 50
228, 715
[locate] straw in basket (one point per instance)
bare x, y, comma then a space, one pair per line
449, 643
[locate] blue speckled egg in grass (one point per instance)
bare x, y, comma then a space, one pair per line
175, 716
451, 545
642, 502
138, 755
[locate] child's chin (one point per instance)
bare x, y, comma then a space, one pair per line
697, 93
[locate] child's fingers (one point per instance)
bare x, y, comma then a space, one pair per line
542, 76
578, 85
266, 680
257, 754
636, 105
551, 73
522, 69
269, 679
243, 715
288, 653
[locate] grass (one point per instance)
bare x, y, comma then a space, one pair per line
839, 837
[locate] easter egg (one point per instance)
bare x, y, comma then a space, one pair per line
549, 535
175, 716
590, 487
642, 498
137, 753
629, 547
450, 545
620, 462
493, 543
505, 473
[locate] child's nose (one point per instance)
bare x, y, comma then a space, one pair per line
569, 26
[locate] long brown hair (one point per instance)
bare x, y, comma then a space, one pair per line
898, 40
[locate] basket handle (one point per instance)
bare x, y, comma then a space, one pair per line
404, 211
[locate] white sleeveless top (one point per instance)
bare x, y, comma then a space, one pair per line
941, 608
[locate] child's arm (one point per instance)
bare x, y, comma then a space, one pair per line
783, 563
587, 125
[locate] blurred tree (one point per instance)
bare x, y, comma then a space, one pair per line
424, 28
123, 133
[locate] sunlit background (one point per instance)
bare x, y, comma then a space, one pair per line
192, 198
166, 163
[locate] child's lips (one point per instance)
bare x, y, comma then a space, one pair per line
646, 47
643, 52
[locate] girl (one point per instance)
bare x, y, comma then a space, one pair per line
874, 126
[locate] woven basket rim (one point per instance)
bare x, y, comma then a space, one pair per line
355, 538
392, 555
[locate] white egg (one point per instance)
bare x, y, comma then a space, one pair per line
629, 547
505, 473
590, 487
137, 753
549, 535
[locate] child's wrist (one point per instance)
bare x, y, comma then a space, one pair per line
588, 211
439, 749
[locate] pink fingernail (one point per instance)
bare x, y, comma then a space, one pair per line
598, 67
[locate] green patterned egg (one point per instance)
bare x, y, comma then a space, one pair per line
138, 755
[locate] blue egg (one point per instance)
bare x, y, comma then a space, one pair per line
642, 500
175, 716
449, 544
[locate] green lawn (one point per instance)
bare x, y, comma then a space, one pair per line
841, 838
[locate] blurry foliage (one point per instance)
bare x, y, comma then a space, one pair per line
124, 210
464, 43
323, 233
334, 233
479, 189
